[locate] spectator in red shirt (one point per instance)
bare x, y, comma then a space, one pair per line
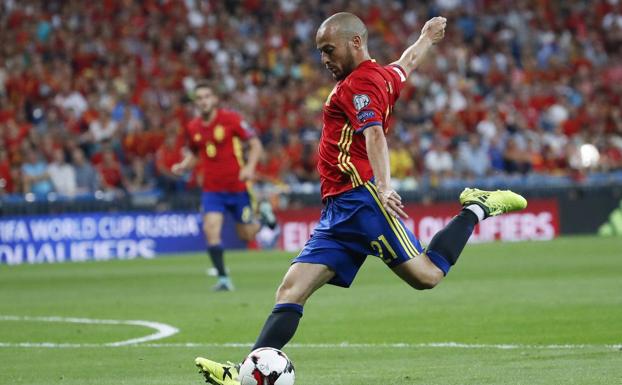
110, 174
168, 154
309, 162
551, 162
15, 134
612, 155
6, 173
293, 152
96, 58
271, 165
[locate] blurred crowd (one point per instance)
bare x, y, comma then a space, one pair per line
94, 95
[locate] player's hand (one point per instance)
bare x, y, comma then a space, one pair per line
246, 173
392, 202
178, 169
434, 29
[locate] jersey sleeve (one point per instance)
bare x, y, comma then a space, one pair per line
242, 129
398, 75
364, 102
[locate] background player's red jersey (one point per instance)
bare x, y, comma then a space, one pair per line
364, 98
219, 148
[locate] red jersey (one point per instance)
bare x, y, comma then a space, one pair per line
364, 98
219, 147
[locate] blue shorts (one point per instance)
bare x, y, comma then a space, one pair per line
352, 226
239, 204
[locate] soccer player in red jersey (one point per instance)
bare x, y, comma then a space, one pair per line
361, 214
215, 139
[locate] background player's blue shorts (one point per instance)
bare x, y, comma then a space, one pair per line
238, 204
352, 226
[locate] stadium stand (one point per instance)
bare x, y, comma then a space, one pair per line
527, 97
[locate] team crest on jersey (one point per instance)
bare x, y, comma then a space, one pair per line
360, 101
219, 133
210, 150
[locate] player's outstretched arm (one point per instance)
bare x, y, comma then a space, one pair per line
433, 31
255, 149
378, 155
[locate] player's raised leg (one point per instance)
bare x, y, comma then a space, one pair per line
492, 202
419, 272
427, 269
247, 229
266, 214
249, 220
246, 226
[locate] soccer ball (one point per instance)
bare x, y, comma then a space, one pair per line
266, 366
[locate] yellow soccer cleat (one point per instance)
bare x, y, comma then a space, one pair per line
493, 202
216, 373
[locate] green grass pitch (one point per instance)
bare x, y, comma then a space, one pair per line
521, 313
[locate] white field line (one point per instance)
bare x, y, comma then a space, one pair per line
343, 345
162, 330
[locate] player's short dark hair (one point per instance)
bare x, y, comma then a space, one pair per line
204, 84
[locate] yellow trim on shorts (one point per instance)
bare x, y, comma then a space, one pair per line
252, 197
410, 249
398, 224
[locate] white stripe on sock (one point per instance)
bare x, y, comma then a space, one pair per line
477, 211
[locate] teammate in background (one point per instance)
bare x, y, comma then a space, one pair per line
215, 139
361, 210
